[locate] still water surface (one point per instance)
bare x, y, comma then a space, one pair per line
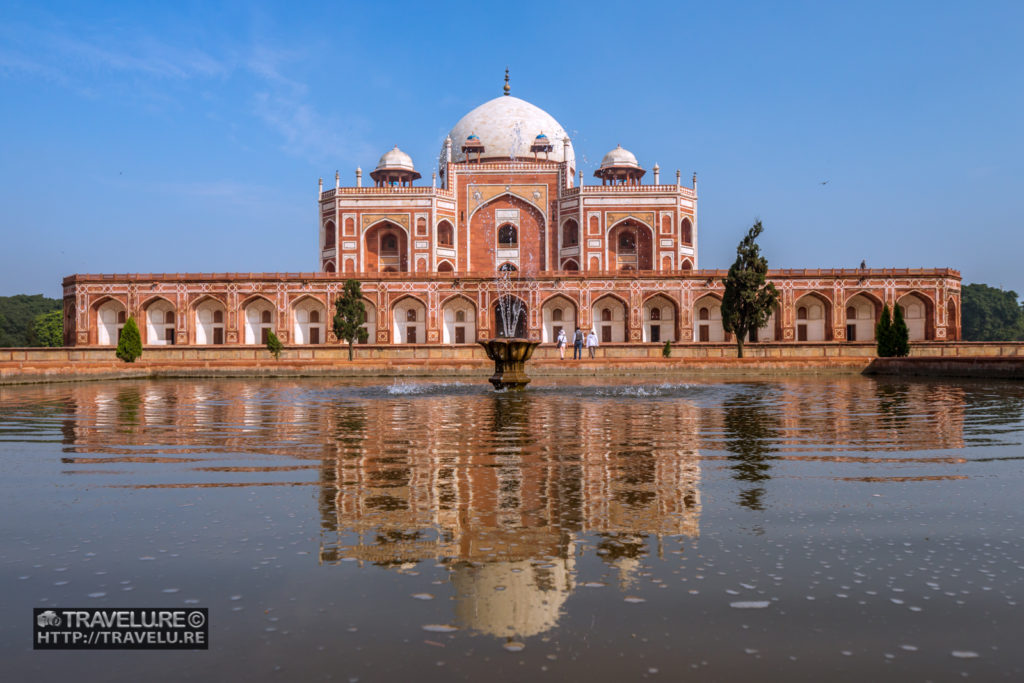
847, 528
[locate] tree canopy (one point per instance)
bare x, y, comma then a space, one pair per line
18, 314
990, 314
748, 300
129, 344
47, 329
350, 314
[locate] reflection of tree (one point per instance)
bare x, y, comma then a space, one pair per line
128, 403
751, 433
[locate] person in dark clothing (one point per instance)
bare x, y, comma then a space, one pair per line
577, 345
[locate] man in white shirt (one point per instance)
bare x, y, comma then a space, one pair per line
592, 342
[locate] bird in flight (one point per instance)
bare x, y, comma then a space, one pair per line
824, 182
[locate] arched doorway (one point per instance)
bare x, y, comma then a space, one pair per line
410, 322
310, 318
659, 319
159, 323
558, 313
707, 317
259, 321
813, 319
110, 319
609, 319
861, 315
387, 248
209, 318
631, 246
510, 315
915, 315
459, 321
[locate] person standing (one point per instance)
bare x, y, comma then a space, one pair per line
592, 342
561, 344
577, 344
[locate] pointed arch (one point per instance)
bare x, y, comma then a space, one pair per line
511, 313
445, 266
386, 247
570, 265
259, 316
812, 316
707, 318
107, 316
866, 310
459, 315
630, 243
920, 322
207, 326
371, 321
408, 320
610, 318
558, 312
509, 195
309, 320
159, 321
660, 318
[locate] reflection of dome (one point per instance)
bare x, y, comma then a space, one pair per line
507, 126
619, 158
529, 601
395, 159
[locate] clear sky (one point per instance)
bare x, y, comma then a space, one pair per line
189, 136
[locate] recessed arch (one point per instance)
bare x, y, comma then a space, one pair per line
570, 233
445, 267
309, 316
918, 314
660, 313
630, 244
108, 315
610, 318
508, 195
159, 321
257, 323
445, 234
330, 235
570, 265
707, 319
867, 311
329, 267
209, 316
408, 320
511, 313
558, 312
459, 315
386, 247
812, 314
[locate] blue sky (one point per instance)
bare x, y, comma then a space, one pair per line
184, 137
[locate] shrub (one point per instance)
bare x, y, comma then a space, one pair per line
666, 350
883, 333
129, 345
899, 334
274, 345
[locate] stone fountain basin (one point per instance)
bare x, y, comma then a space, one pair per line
509, 356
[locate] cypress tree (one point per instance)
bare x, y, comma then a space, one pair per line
666, 350
274, 345
883, 333
748, 300
899, 334
350, 314
129, 344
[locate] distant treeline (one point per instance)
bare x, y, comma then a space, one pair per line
991, 314
31, 320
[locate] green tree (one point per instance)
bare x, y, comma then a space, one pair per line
129, 344
666, 350
900, 334
883, 333
18, 314
48, 329
748, 300
274, 345
990, 314
350, 314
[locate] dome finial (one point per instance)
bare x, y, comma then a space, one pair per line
507, 89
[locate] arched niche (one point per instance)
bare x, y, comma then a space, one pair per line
558, 313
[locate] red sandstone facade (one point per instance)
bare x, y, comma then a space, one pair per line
620, 257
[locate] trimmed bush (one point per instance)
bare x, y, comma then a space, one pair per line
899, 334
274, 345
129, 344
666, 350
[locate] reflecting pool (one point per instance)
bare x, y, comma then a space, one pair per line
785, 529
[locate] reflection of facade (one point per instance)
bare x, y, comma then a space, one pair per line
506, 491
620, 257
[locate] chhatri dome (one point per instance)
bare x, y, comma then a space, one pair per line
506, 127
395, 166
619, 158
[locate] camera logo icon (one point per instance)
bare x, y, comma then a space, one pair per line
48, 618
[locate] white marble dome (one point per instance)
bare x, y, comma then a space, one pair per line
395, 159
619, 158
507, 126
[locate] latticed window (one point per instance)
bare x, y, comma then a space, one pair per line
508, 236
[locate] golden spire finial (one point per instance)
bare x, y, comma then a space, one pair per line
507, 88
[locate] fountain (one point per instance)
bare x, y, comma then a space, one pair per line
509, 351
